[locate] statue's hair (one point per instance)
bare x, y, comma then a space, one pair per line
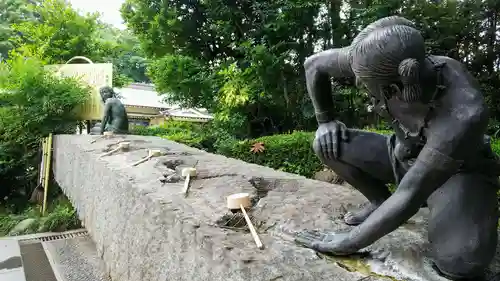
106, 89
381, 23
342, 57
381, 52
389, 50
391, 54
409, 73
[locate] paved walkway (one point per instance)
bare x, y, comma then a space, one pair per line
29, 258
11, 266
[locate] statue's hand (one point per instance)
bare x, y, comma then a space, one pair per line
329, 136
332, 243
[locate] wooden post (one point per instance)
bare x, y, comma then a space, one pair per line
47, 174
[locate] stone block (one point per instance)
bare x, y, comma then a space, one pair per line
147, 230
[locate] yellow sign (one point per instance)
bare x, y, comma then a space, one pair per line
96, 76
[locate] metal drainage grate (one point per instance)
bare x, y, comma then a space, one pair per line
52, 237
36, 265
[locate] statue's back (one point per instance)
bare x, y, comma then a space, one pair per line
118, 118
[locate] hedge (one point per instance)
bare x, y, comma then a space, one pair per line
286, 152
188, 133
290, 153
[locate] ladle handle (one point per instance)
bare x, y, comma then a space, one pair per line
95, 140
252, 229
142, 160
186, 185
111, 152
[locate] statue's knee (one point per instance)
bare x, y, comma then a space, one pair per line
457, 267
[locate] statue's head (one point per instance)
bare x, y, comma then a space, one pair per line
106, 93
387, 57
389, 61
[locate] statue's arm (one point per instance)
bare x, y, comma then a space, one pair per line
319, 68
451, 138
105, 117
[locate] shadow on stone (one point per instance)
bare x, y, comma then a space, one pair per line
262, 187
236, 222
173, 163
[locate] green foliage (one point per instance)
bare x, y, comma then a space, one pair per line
60, 217
34, 104
243, 59
122, 49
289, 152
495, 145
188, 133
12, 12
248, 58
183, 79
9, 222
59, 34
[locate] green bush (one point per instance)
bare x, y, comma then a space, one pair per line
188, 133
33, 103
287, 152
495, 145
61, 216
166, 128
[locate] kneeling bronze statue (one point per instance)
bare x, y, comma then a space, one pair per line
115, 117
438, 156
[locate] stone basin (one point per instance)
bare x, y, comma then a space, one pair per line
145, 229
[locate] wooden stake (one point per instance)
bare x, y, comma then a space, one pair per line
47, 174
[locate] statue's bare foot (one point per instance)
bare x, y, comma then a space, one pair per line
351, 218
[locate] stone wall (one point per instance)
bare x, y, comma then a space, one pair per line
147, 230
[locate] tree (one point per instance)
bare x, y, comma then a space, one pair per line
34, 104
250, 53
246, 56
59, 34
123, 50
12, 12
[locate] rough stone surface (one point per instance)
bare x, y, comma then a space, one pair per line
327, 175
75, 259
145, 229
11, 267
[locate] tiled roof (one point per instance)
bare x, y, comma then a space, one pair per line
141, 97
145, 95
188, 113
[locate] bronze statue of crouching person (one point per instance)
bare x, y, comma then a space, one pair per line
438, 155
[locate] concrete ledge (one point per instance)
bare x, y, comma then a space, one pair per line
148, 231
